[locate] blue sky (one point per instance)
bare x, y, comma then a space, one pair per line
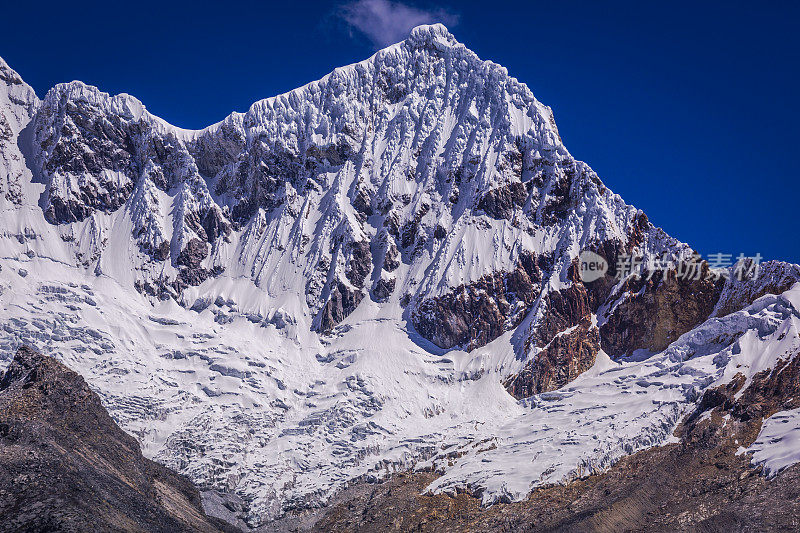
688, 110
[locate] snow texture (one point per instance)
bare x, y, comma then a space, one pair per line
227, 380
778, 444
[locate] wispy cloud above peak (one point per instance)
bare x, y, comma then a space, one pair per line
385, 22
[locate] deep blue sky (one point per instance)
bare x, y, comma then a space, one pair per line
689, 111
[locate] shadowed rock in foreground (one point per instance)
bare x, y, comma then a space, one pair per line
66, 466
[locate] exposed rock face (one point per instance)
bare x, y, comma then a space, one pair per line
646, 311
84, 140
770, 391
384, 289
308, 185
702, 486
190, 258
331, 154
392, 259
66, 466
360, 263
567, 356
411, 234
476, 314
423, 176
643, 313
561, 198
341, 303
106, 156
659, 310
501, 202
563, 309
600, 289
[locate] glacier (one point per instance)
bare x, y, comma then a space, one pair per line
206, 300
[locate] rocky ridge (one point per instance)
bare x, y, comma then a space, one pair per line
404, 159
66, 466
377, 271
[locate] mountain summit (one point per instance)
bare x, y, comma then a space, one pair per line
412, 175
378, 271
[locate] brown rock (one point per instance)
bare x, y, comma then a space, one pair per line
566, 357
563, 309
501, 202
66, 466
475, 314
340, 304
664, 310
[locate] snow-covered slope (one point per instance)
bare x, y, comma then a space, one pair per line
422, 156
778, 444
349, 279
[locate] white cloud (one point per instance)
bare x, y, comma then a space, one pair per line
385, 22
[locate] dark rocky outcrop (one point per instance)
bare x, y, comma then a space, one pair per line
500, 203
212, 153
260, 179
66, 466
648, 310
384, 289
600, 290
641, 225
87, 141
769, 391
161, 288
209, 224
392, 223
362, 203
101, 195
563, 309
344, 298
558, 202
392, 259
264, 169
656, 311
334, 154
340, 304
190, 259
410, 233
360, 263
699, 486
567, 356
161, 253
475, 314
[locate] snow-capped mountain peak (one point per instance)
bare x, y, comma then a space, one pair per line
372, 271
